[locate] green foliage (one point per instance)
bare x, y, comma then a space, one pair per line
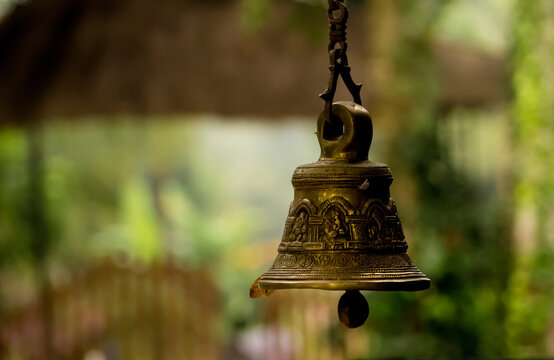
138, 212
14, 234
254, 14
148, 192
460, 224
309, 18
530, 294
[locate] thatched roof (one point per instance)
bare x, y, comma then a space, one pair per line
78, 57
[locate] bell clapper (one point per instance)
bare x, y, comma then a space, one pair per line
353, 309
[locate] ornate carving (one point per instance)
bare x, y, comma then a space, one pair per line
338, 202
299, 231
337, 225
331, 260
332, 232
303, 204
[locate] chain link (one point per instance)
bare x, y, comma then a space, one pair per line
338, 16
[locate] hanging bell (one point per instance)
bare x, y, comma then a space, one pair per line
342, 231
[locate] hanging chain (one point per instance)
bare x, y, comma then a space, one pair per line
338, 15
337, 25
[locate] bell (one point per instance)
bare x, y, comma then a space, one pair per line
342, 231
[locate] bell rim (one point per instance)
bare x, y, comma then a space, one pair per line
416, 284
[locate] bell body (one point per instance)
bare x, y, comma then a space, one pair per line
342, 231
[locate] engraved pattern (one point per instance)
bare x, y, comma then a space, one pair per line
332, 233
299, 228
337, 225
330, 261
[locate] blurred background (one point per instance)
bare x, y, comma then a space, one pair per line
146, 150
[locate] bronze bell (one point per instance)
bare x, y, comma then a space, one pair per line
342, 231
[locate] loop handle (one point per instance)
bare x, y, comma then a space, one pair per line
348, 137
